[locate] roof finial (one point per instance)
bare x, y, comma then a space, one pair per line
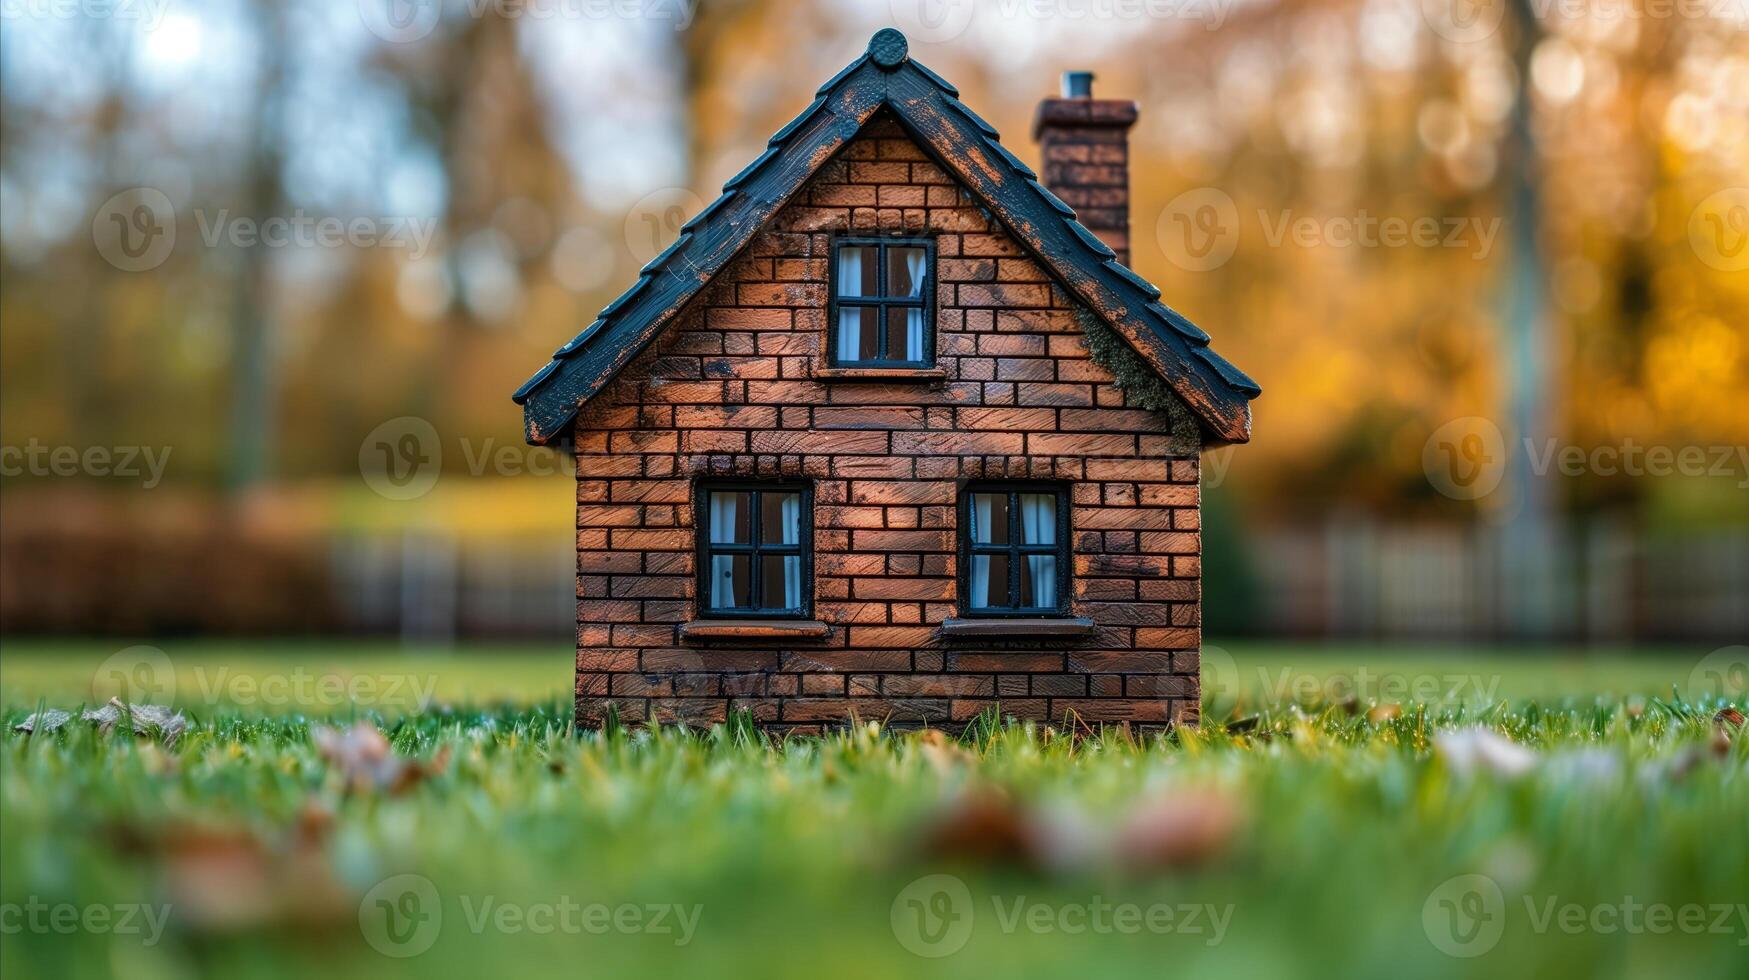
888, 48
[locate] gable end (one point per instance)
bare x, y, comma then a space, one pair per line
966, 147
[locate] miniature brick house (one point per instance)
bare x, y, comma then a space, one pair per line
889, 433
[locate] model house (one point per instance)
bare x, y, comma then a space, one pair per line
892, 432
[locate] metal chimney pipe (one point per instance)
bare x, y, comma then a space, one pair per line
1077, 85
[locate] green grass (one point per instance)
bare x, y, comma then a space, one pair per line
1318, 837
264, 678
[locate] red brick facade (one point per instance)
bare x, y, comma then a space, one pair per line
738, 385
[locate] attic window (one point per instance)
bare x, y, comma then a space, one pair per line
882, 303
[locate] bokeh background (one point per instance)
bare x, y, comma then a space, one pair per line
272, 269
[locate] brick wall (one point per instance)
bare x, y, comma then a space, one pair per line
736, 387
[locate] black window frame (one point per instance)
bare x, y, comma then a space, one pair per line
1015, 549
882, 302
705, 548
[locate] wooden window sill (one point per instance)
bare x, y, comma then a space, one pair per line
901, 375
1017, 628
754, 629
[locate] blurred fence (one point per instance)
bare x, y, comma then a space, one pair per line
1604, 581
94, 572
434, 587
1607, 582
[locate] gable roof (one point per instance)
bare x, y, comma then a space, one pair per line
969, 149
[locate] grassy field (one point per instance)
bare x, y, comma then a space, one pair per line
318, 678
1366, 813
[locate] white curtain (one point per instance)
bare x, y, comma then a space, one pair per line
722, 566
1038, 520
849, 317
917, 264
982, 504
792, 564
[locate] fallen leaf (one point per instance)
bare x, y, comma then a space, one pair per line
983, 826
227, 880
1378, 714
1182, 829
942, 753
1720, 743
315, 822
47, 720
145, 719
1471, 750
153, 720
363, 755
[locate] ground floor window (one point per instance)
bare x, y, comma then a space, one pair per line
755, 549
1014, 552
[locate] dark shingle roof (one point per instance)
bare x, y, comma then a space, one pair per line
966, 147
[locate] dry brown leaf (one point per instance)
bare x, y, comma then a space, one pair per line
152, 720
1720, 743
47, 720
363, 755
983, 826
1186, 828
1378, 714
229, 880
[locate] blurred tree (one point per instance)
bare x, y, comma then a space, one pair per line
254, 381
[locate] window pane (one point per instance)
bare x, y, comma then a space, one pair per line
904, 334
989, 582
1038, 518
731, 582
1038, 581
858, 328
781, 579
780, 518
731, 517
857, 270
907, 271
989, 518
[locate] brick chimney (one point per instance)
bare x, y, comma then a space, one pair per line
1086, 148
